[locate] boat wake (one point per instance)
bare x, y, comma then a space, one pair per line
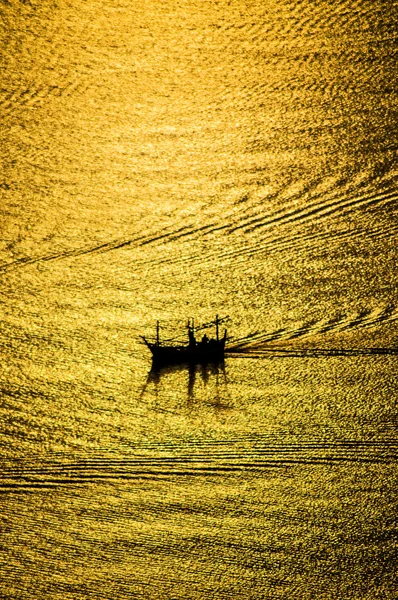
258, 341
308, 352
202, 458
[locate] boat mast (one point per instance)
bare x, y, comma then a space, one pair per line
217, 321
157, 334
191, 333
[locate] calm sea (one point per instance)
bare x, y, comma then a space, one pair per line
166, 160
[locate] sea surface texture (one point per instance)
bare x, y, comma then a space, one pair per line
174, 159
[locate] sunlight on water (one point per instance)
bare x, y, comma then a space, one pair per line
165, 161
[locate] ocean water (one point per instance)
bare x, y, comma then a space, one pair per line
182, 159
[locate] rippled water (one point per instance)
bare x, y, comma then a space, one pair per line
166, 160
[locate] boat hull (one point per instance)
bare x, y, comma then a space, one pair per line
163, 355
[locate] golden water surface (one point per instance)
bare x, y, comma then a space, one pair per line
165, 160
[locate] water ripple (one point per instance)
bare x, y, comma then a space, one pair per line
206, 458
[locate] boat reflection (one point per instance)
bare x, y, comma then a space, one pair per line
206, 371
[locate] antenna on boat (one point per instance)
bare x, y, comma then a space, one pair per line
217, 322
191, 333
157, 333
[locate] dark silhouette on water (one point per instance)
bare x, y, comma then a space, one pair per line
275, 352
206, 370
195, 352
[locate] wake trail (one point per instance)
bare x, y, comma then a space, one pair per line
214, 458
258, 340
309, 353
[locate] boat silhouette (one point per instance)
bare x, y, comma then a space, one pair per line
206, 350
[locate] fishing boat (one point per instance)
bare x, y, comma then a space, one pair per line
206, 350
